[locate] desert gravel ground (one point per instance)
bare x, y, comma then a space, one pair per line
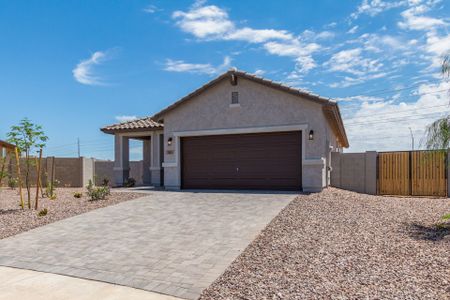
344, 245
14, 220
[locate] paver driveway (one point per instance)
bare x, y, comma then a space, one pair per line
175, 243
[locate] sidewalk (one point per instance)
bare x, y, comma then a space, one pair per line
30, 285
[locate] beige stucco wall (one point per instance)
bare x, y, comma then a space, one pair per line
260, 106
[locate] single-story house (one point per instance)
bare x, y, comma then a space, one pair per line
238, 131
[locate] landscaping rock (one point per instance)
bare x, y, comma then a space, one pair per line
344, 245
14, 220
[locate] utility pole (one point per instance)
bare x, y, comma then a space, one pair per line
78, 145
412, 138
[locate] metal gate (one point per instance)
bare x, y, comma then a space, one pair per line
415, 173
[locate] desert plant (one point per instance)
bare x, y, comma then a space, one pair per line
51, 187
27, 136
77, 194
130, 182
105, 182
43, 212
97, 192
12, 182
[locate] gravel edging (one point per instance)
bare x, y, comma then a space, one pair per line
14, 220
344, 245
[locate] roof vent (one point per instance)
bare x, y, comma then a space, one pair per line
233, 79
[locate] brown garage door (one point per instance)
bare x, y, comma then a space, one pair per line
245, 161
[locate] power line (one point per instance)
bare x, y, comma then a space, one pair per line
397, 112
396, 117
388, 121
358, 105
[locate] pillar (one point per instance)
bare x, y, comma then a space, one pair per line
155, 168
146, 151
121, 159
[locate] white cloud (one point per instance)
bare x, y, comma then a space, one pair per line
350, 81
212, 22
297, 50
413, 18
325, 35
438, 46
360, 98
375, 7
124, 118
351, 61
367, 127
257, 35
381, 43
83, 72
204, 21
259, 72
309, 35
181, 66
151, 9
353, 29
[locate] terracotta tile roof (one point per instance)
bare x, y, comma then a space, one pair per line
7, 145
135, 125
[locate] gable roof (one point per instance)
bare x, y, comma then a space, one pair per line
134, 125
329, 106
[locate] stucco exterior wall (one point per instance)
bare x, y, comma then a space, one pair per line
260, 106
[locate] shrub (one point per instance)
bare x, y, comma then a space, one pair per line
43, 212
13, 182
77, 194
105, 182
130, 182
50, 188
97, 192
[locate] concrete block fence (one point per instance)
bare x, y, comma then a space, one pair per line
355, 171
74, 172
358, 172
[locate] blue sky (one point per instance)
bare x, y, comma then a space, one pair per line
75, 66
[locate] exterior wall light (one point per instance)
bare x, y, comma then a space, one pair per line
311, 135
169, 141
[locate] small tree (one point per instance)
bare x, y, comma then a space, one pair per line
27, 137
437, 134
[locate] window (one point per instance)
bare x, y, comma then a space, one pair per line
234, 98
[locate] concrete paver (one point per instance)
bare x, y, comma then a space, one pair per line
173, 243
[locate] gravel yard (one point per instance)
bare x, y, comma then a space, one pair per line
344, 245
14, 220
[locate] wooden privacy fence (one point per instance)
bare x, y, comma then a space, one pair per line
414, 173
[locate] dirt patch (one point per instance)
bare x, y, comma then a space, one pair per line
14, 220
344, 245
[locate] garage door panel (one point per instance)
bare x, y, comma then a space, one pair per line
247, 161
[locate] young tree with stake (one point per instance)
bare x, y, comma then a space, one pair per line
27, 137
